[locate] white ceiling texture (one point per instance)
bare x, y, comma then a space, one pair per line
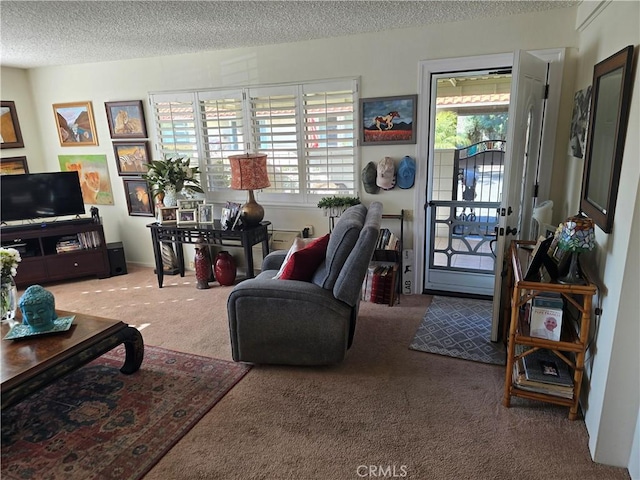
45, 33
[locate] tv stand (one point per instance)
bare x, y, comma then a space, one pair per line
58, 250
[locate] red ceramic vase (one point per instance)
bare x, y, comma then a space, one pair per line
225, 268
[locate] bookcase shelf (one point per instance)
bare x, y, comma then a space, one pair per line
570, 349
58, 251
390, 260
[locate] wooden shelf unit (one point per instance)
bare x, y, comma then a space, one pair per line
41, 263
395, 257
572, 346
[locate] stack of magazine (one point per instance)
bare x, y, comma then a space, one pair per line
543, 372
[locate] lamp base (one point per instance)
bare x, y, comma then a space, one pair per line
573, 275
251, 212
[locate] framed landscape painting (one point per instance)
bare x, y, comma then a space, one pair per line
388, 120
10, 134
75, 124
132, 158
126, 119
13, 165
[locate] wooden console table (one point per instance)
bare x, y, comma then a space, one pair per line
212, 235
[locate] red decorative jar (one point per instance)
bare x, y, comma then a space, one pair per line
225, 268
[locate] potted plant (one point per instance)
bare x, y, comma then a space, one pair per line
335, 206
171, 175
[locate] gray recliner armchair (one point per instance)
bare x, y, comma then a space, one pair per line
291, 322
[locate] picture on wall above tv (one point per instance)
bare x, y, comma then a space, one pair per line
40, 195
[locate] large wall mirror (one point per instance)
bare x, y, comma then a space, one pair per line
608, 118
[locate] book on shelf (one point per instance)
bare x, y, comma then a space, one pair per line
545, 316
542, 365
520, 381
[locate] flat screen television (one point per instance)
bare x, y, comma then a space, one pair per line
40, 195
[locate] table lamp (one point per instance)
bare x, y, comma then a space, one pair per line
249, 172
577, 236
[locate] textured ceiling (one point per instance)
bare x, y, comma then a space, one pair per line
44, 33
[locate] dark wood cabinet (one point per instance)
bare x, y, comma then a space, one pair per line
58, 251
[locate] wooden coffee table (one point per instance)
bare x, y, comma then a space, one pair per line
31, 363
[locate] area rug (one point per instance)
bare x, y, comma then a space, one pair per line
97, 423
461, 328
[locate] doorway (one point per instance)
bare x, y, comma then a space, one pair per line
537, 183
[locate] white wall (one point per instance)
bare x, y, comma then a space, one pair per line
385, 68
612, 406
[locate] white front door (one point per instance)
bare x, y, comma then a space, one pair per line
526, 111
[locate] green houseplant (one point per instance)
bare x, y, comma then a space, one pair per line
172, 175
335, 206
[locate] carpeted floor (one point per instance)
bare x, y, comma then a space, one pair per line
386, 405
461, 328
97, 423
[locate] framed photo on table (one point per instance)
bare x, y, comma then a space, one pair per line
11, 136
167, 215
187, 217
126, 119
205, 213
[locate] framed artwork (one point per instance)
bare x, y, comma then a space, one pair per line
132, 158
190, 204
75, 124
579, 122
388, 120
10, 134
94, 177
126, 119
138, 197
187, 217
13, 165
205, 213
167, 215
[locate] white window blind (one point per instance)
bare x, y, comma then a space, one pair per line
308, 132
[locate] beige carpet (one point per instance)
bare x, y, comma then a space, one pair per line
385, 407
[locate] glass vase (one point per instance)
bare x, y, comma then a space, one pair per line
9, 300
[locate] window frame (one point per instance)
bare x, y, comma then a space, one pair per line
244, 94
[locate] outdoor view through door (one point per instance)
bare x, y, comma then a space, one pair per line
468, 171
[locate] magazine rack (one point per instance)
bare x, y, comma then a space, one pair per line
574, 337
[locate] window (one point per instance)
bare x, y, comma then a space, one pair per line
308, 132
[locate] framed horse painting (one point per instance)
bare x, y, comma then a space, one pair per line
388, 120
126, 119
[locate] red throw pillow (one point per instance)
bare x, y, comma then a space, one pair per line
303, 263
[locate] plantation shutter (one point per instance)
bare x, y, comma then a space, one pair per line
223, 134
330, 138
176, 131
275, 132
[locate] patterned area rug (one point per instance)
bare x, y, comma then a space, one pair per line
461, 328
97, 423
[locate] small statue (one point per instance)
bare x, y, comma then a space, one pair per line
95, 215
38, 308
203, 264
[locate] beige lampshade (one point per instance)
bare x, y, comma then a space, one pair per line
249, 171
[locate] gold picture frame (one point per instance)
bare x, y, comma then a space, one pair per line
75, 124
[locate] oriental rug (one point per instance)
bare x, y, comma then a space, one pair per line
97, 423
461, 328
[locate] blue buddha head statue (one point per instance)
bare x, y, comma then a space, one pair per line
38, 308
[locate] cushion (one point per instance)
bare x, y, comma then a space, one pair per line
303, 263
298, 244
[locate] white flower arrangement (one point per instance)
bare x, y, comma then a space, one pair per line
10, 258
